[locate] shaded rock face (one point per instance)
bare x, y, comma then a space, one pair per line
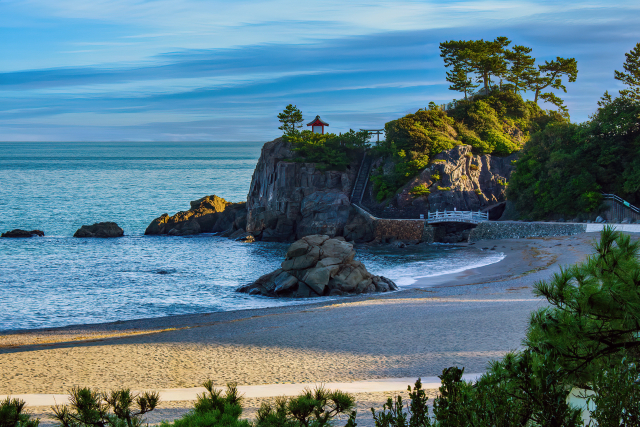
456, 178
17, 233
210, 214
100, 229
289, 200
317, 265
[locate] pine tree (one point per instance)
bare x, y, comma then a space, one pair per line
631, 76
460, 80
595, 309
291, 119
550, 75
522, 65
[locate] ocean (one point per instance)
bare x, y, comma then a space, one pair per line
59, 280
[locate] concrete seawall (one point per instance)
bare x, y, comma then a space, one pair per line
519, 230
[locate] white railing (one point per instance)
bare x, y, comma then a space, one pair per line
457, 216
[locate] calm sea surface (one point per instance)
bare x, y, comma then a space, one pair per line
58, 280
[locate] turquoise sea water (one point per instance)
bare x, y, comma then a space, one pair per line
58, 280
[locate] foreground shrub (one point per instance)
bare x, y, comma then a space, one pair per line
119, 408
12, 414
393, 414
212, 409
313, 408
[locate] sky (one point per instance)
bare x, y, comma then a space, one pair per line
210, 70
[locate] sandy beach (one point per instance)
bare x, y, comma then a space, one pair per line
465, 319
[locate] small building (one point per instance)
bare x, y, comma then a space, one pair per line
317, 125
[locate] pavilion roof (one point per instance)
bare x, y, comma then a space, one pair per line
317, 121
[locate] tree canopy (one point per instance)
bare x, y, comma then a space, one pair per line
492, 59
631, 74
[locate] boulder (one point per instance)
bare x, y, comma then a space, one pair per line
210, 214
17, 233
599, 219
317, 265
100, 229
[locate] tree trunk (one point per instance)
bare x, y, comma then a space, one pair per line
537, 93
485, 77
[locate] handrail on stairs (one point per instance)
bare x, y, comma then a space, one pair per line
355, 184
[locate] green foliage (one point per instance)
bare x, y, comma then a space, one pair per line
631, 74
473, 167
420, 190
564, 168
497, 123
212, 409
594, 310
313, 408
291, 119
435, 177
444, 188
616, 394
393, 414
329, 151
478, 191
12, 414
119, 408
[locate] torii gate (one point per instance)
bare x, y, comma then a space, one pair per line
375, 132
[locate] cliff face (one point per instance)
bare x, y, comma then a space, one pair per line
289, 200
455, 178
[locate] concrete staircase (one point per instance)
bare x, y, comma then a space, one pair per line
361, 180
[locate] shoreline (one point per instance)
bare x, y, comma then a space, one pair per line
150, 325
463, 319
520, 259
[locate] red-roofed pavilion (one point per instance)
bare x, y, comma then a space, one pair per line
317, 125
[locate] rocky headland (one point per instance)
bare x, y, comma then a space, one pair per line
100, 229
317, 265
289, 200
455, 179
210, 214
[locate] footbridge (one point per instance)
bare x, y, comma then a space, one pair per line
468, 217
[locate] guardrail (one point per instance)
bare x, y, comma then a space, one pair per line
457, 216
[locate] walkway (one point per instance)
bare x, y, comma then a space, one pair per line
266, 390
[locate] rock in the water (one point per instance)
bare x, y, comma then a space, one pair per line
210, 214
17, 233
317, 265
100, 229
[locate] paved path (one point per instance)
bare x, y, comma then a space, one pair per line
266, 390
629, 228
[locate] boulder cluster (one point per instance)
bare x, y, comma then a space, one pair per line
210, 214
100, 229
317, 265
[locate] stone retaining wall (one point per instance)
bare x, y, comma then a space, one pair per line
398, 229
519, 230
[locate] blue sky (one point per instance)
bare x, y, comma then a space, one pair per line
150, 70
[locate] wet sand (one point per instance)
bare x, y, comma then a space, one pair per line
465, 319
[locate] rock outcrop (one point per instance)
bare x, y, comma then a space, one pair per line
317, 265
100, 229
210, 214
289, 200
18, 233
455, 178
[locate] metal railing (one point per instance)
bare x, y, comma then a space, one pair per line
457, 216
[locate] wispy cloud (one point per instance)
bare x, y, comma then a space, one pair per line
185, 69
